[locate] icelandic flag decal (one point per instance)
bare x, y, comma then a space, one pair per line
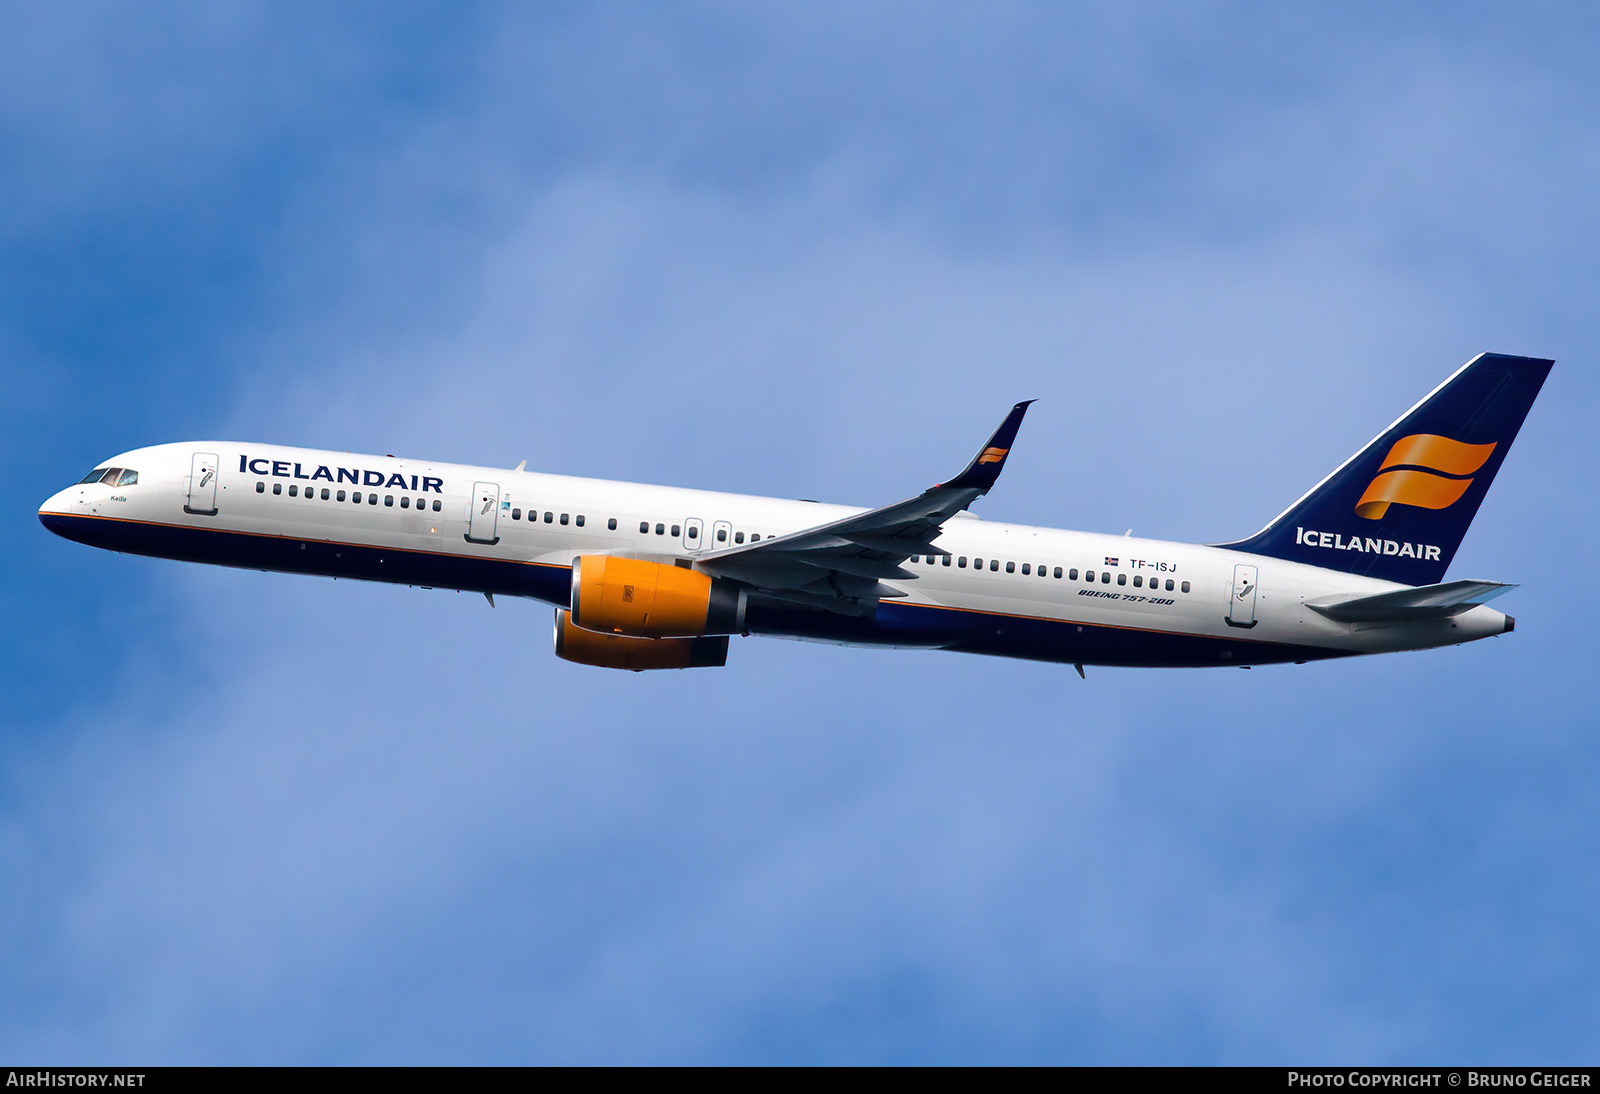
1111, 562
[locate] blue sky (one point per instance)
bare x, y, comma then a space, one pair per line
810, 252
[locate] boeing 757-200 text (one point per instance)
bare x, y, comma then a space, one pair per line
647, 577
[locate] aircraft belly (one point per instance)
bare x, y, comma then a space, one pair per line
899, 624
305, 554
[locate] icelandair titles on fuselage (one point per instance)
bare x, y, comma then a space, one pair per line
1335, 541
354, 475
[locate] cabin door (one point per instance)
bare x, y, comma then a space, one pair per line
202, 496
484, 513
694, 534
1242, 604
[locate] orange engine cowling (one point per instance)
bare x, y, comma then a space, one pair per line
617, 651
650, 600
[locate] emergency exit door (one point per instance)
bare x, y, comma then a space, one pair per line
1242, 604
202, 496
484, 513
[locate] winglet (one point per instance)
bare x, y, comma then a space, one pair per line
986, 466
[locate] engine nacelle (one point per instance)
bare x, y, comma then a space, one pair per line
650, 600
616, 651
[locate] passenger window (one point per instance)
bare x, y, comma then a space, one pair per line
1122, 579
129, 478
1105, 577
563, 518
437, 505
722, 535
261, 488
405, 503
612, 524
1058, 574
293, 490
962, 562
676, 531
579, 520
388, 501
325, 494
755, 537
372, 499
341, 494
1088, 575
994, 564
644, 527
945, 559
1185, 586
549, 517
1137, 581
516, 514
738, 537
694, 533
277, 488
661, 529
1025, 570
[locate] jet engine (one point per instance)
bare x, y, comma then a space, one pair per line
616, 651
643, 599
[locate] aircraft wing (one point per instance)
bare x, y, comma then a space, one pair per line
1407, 605
840, 566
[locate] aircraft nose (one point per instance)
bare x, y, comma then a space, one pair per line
55, 507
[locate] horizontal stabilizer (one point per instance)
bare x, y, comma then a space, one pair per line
1407, 605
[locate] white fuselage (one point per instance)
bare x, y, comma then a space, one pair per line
280, 508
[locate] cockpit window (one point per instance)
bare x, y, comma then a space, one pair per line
111, 476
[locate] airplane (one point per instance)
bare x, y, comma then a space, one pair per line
656, 577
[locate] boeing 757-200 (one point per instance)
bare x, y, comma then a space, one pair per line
654, 577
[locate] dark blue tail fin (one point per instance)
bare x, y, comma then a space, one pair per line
1398, 509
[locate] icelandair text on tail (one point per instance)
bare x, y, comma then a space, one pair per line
1335, 541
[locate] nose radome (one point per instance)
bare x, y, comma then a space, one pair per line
59, 502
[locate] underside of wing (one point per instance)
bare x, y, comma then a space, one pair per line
842, 566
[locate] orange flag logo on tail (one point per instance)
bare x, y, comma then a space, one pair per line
1422, 488
992, 455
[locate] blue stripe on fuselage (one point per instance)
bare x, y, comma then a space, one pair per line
894, 624
256, 551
